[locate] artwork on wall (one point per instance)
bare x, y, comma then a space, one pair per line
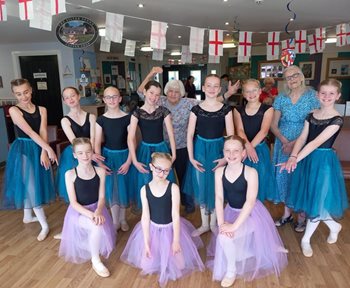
308, 69
239, 72
338, 68
272, 69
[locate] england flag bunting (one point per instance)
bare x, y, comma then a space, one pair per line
245, 46
273, 46
158, 35
288, 44
3, 10
320, 39
300, 41
341, 35
215, 42
58, 6
312, 43
25, 9
196, 40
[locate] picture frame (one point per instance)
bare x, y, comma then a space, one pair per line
308, 69
272, 69
1, 84
107, 79
239, 72
338, 68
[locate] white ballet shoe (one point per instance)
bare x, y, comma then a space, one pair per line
201, 230
306, 249
228, 281
58, 236
30, 220
100, 269
333, 236
124, 226
43, 234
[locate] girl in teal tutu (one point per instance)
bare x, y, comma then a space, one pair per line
28, 182
317, 182
252, 122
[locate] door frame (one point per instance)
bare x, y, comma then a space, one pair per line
17, 67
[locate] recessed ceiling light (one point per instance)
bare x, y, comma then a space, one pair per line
228, 34
224, 0
146, 49
140, 5
226, 23
179, 36
331, 40
175, 53
229, 45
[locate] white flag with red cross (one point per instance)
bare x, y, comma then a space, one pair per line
186, 55
311, 39
320, 39
215, 42
273, 46
130, 46
214, 59
244, 46
42, 15
58, 6
158, 35
157, 54
105, 45
114, 27
25, 9
300, 41
347, 28
3, 10
196, 40
341, 35
288, 44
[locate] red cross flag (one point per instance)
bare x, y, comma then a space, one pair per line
312, 43
273, 46
215, 42
320, 39
130, 46
341, 35
105, 45
196, 40
158, 35
25, 9
186, 55
347, 28
288, 44
157, 54
114, 27
58, 6
42, 18
245, 46
3, 10
300, 41
214, 59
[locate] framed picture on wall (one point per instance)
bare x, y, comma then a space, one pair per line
240, 72
338, 68
272, 69
308, 69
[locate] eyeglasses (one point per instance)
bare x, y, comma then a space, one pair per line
110, 97
292, 77
159, 170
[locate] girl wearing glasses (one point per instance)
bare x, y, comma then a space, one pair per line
252, 122
112, 127
291, 109
150, 119
161, 243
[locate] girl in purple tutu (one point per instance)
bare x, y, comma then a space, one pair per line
161, 243
87, 230
247, 245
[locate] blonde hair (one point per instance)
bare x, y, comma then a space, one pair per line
175, 84
331, 82
81, 141
251, 81
294, 67
160, 155
235, 138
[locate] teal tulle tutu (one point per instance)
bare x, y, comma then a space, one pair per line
144, 153
118, 186
317, 186
66, 162
267, 180
201, 185
26, 183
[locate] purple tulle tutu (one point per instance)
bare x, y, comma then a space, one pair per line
75, 237
162, 261
259, 248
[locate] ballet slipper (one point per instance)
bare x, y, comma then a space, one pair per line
306, 249
100, 269
43, 234
124, 226
30, 220
228, 281
58, 236
333, 236
201, 230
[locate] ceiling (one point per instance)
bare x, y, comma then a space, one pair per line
245, 15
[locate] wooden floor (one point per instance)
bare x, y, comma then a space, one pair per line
25, 262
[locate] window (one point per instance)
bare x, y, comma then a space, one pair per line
197, 78
173, 75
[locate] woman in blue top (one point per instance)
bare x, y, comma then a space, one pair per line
291, 109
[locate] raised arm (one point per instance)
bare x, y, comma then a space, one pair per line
150, 75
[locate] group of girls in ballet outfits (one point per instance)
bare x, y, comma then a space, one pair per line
106, 167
